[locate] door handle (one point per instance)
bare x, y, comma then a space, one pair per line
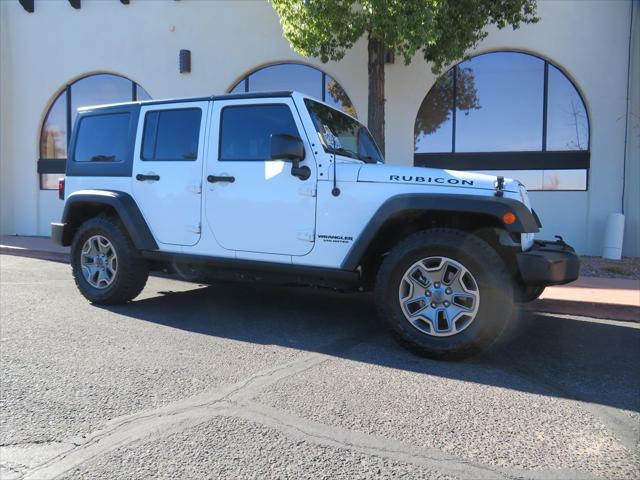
141, 178
214, 179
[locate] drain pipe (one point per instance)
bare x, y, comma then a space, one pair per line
614, 232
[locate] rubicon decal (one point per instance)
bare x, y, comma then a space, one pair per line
441, 180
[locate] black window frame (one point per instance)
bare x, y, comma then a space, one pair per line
245, 81
155, 133
104, 169
243, 105
58, 165
83, 119
542, 159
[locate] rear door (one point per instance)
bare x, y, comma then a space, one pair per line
167, 170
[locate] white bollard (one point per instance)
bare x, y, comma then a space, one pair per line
613, 235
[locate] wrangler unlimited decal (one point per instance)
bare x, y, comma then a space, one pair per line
411, 178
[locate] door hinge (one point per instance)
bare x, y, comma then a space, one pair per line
195, 228
307, 235
307, 191
196, 188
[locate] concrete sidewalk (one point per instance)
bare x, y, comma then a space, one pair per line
609, 298
35, 247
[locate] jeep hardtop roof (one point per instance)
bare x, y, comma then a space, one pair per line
226, 96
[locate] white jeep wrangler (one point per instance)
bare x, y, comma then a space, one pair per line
281, 187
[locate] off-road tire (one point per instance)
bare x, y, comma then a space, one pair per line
480, 259
132, 272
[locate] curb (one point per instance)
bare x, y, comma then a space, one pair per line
608, 311
37, 254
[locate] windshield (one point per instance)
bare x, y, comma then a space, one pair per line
343, 135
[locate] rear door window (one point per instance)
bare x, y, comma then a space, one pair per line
103, 138
171, 135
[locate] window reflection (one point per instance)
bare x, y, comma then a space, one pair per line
500, 107
434, 124
508, 117
91, 90
303, 78
567, 124
53, 139
99, 90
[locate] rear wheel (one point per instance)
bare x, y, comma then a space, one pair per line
106, 266
444, 293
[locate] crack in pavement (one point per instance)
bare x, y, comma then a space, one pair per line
180, 415
236, 400
368, 444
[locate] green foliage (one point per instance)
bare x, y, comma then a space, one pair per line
443, 30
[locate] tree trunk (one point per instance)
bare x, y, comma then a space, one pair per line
376, 91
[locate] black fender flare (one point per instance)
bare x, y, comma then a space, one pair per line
492, 206
123, 204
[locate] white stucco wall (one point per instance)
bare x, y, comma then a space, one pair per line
41, 52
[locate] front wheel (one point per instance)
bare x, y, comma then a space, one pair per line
444, 293
106, 266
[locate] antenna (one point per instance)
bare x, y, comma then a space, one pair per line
335, 191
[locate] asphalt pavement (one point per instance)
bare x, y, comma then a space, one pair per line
259, 381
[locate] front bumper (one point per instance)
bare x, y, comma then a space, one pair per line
548, 263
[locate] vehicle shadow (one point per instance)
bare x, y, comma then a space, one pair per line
591, 361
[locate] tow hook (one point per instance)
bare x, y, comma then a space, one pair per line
499, 186
561, 241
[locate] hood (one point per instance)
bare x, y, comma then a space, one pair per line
379, 173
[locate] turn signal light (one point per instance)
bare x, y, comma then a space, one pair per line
509, 218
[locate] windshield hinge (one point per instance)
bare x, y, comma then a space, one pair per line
195, 228
307, 191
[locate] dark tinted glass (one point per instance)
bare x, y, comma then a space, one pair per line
92, 90
288, 76
53, 138
509, 91
434, 124
141, 94
567, 123
100, 89
246, 131
302, 78
171, 135
103, 138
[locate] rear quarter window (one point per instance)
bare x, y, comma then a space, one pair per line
103, 138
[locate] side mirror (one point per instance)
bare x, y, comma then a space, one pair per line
290, 149
286, 147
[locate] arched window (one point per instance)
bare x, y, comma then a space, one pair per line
295, 76
510, 112
56, 130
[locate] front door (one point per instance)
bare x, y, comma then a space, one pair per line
167, 170
254, 204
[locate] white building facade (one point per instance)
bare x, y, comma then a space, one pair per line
555, 104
